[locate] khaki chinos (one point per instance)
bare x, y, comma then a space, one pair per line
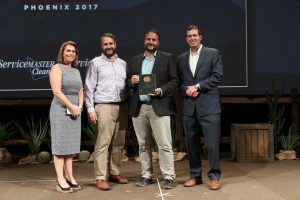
111, 128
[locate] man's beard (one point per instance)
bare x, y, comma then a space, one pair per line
150, 50
109, 55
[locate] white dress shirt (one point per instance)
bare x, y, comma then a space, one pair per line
193, 60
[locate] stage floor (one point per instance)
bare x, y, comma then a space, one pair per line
279, 180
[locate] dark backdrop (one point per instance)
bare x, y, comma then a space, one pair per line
29, 39
273, 46
32, 31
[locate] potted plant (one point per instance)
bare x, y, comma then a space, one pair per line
7, 130
276, 112
288, 144
34, 132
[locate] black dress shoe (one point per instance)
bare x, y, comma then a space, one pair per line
169, 184
144, 181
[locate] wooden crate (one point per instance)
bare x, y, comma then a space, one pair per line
252, 142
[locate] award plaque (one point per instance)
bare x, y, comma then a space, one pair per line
147, 84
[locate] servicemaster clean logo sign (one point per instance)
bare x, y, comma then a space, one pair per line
58, 5
39, 69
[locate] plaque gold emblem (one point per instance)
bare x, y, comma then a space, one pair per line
147, 79
147, 83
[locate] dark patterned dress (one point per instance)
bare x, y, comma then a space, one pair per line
65, 131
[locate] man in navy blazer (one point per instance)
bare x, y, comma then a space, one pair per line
200, 70
151, 112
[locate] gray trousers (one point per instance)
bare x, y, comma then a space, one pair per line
146, 123
111, 127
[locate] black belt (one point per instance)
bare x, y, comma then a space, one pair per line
145, 102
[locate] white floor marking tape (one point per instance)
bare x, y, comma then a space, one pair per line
161, 194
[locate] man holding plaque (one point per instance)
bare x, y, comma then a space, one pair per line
152, 82
201, 71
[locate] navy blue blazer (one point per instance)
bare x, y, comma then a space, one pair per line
208, 74
166, 78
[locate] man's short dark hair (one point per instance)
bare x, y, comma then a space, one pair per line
192, 27
110, 35
153, 30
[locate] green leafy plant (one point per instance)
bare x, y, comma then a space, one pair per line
34, 132
276, 112
289, 142
90, 131
7, 130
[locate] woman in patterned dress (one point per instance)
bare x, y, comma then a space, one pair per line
65, 115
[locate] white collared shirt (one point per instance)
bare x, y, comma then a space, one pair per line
194, 57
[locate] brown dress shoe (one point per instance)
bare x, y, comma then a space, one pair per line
102, 185
192, 182
214, 185
117, 179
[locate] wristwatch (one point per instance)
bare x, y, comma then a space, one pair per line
198, 86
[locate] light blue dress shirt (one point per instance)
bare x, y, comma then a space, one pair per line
147, 66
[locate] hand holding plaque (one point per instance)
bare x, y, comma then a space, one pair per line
147, 83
